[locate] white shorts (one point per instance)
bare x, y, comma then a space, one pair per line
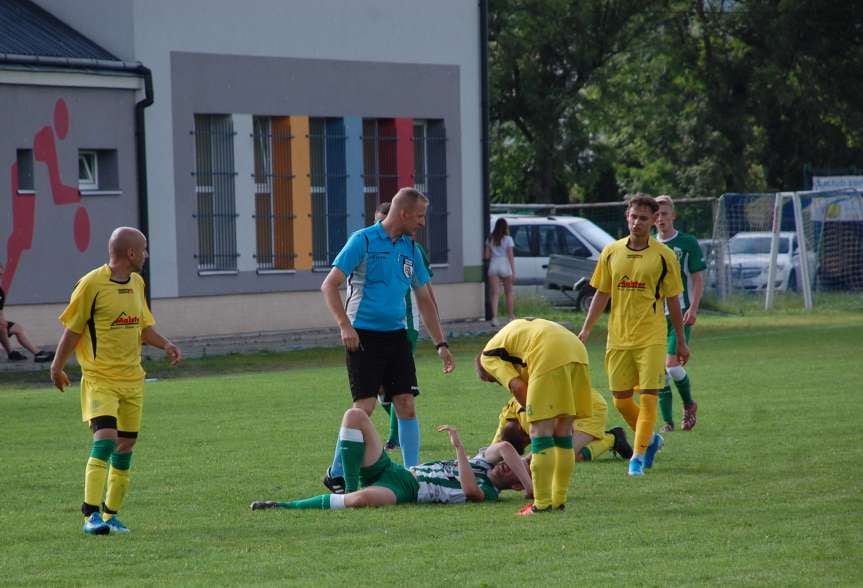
499, 267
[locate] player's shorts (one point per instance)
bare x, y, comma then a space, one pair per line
672, 336
594, 425
499, 267
383, 359
123, 401
643, 367
511, 411
563, 391
392, 476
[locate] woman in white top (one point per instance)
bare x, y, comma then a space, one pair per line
501, 267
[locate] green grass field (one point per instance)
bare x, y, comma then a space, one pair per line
765, 491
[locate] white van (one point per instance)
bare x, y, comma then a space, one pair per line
537, 237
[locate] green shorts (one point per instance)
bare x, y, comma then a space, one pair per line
672, 336
413, 335
386, 474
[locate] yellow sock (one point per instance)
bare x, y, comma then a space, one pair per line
564, 464
600, 446
646, 423
94, 480
118, 485
542, 470
628, 410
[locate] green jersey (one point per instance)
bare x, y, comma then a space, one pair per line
691, 259
438, 480
412, 315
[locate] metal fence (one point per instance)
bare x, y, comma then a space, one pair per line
214, 175
694, 215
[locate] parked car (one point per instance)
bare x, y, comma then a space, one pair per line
749, 260
538, 237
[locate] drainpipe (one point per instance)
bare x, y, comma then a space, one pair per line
486, 195
141, 168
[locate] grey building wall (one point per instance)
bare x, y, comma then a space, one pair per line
98, 119
380, 33
231, 84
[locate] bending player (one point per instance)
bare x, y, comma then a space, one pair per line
546, 369
691, 259
382, 482
590, 440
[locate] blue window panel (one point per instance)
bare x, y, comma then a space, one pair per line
336, 185
354, 163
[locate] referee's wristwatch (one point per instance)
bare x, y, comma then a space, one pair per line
441, 344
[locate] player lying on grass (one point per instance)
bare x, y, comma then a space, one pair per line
373, 480
590, 440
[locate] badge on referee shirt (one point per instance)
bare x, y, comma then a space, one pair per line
408, 267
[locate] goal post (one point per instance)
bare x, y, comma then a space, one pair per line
773, 243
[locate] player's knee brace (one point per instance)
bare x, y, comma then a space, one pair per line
677, 372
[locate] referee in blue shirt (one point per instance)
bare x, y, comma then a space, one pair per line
381, 263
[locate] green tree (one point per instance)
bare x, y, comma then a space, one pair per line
543, 53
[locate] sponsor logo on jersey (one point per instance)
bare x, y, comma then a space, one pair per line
125, 320
125, 291
627, 283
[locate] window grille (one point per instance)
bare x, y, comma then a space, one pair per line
214, 174
371, 180
329, 189
274, 217
430, 179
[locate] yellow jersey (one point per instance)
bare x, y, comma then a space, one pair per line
109, 316
639, 282
527, 348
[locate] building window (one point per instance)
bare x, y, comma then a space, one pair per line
24, 158
329, 189
98, 172
430, 179
88, 170
274, 217
380, 169
214, 173
371, 186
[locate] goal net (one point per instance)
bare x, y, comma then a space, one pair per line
787, 242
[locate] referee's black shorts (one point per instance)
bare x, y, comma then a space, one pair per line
384, 358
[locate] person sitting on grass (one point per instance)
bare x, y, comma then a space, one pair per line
590, 440
8, 329
372, 479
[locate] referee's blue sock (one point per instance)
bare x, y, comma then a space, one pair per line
409, 438
336, 470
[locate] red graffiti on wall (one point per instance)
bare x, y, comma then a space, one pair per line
24, 205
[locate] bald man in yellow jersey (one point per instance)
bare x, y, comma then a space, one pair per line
546, 368
638, 273
105, 323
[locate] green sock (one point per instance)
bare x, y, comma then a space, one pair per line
353, 449
665, 400
684, 390
563, 442
394, 428
321, 502
586, 455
